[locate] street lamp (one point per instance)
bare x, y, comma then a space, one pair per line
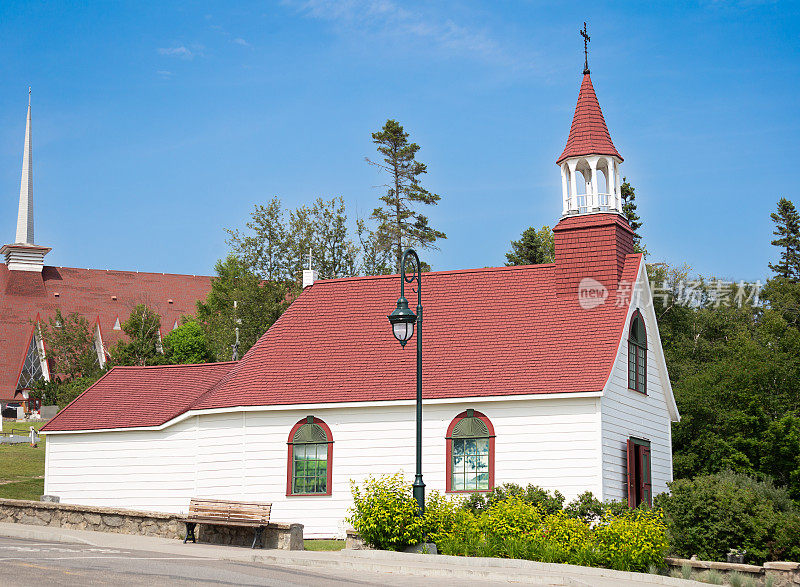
403, 320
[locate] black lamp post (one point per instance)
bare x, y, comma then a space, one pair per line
403, 320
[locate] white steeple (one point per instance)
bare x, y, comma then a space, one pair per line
25, 215
23, 254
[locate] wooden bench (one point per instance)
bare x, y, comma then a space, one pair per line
219, 512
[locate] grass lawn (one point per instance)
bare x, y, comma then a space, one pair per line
21, 466
323, 544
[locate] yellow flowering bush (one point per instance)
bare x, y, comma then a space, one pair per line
384, 512
570, 533
632, 541
511, 518
446, 517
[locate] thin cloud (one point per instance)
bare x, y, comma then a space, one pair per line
181, 52
387, 18
242, 42
164, 74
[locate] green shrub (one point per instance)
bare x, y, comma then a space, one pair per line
532, 494
709, 515
632, 541
590, 509
445, 517
384, 513
511, 523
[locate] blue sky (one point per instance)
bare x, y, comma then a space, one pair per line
156, 125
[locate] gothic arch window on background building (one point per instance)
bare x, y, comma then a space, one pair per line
310, 458
470, 453
32, 368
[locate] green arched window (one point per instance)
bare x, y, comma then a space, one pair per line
470, 447
310, 452
637, 354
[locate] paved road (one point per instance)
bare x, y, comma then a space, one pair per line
25, 563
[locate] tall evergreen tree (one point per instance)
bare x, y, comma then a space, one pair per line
628, 193
787, 229
533, 247
399, 224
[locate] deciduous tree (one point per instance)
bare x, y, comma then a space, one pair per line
240, 299
143, 347
69, 341
188, 344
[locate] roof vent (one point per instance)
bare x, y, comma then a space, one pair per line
114, 298
56, 294
169, 301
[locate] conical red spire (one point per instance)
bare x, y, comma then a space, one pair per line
589, 133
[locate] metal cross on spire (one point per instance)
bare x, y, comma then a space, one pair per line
586, 40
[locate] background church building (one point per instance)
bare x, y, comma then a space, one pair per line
31, 292
525, 381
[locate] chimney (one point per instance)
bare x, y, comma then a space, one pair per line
591, 246
309, 277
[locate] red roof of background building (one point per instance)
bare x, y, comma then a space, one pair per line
486, 332
24, 294
588, 134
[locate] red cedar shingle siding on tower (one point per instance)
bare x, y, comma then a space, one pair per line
486, 332
593, 245
588, 134
140, 396
24, 294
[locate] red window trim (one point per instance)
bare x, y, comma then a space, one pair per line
289, 461
639, 368
449, 452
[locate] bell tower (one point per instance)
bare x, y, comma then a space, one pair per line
590, 161
593, 237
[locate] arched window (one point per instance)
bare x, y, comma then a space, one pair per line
637, 354
310, 458
470, 453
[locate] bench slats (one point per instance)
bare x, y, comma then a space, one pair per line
224, 512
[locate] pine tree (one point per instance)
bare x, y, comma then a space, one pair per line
628, 193
787, 229
399, 225
533, 247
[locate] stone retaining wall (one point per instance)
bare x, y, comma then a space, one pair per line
102, 519
784, 574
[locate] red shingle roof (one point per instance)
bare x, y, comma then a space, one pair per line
486, 332
89, 292
139, 396
588, 134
